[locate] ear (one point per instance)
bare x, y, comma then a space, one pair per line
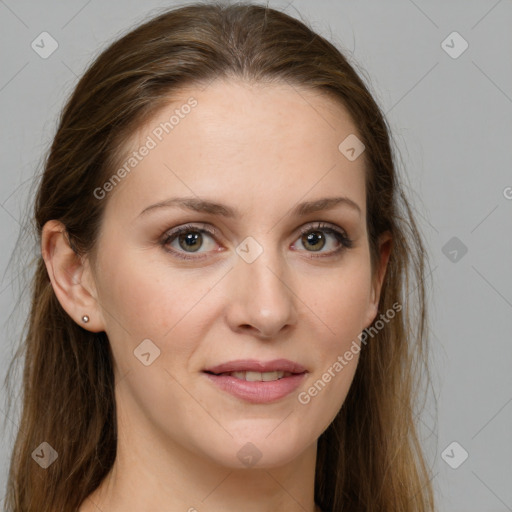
385, 243
71, 277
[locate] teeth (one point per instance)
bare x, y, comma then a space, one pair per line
258, 376
270, 376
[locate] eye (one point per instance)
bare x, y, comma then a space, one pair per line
317, 237
189, 239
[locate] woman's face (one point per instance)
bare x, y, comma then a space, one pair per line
242, 282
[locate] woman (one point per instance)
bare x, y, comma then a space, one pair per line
220, 316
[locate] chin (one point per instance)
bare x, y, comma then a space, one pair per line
260, 451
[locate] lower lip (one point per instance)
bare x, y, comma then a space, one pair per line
260, 391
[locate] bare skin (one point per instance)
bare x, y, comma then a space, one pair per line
260, 150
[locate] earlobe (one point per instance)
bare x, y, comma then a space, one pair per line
70, 277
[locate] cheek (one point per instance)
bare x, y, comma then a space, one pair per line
339, 307
339, 300
142, 299
146, 296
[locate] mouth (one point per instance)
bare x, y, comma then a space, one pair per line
256, 381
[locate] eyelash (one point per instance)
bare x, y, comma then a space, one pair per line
346, 243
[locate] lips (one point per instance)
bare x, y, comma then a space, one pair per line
255, 366
255, 381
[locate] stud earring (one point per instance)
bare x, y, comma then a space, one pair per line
85, 319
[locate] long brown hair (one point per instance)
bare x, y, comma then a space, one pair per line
370, 457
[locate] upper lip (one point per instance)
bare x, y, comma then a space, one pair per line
253, 365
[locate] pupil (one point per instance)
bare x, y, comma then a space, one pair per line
315, 237
190, 239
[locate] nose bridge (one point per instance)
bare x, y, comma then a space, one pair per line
263, 296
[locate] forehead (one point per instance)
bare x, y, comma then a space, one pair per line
248, 142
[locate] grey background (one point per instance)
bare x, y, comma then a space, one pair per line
451, 121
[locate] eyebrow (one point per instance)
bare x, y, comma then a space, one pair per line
214, 208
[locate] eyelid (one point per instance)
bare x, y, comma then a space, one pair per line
200, 227
309, 226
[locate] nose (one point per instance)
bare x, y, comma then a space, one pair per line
262, 301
